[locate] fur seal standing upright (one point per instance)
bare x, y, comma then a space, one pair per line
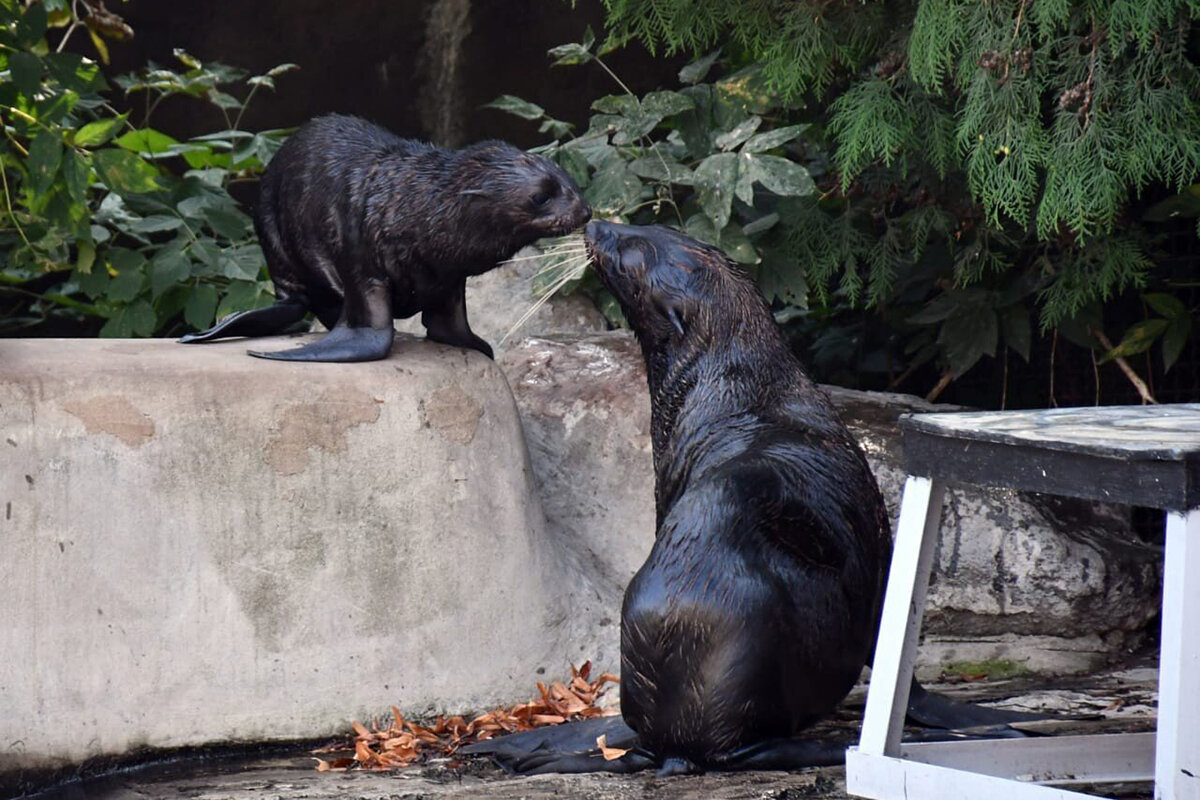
362, 227
759, 603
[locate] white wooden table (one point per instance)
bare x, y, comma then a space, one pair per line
1143, 455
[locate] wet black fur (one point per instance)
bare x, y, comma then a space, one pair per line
360, 226
758, 605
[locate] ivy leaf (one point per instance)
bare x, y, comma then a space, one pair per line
661, 105
662, 167
613, 188
1137, 339
743, 131
694, 72
168, 268
242, 296
716, 181
125, 286
124, 172
737, 246
201, 307
146, 142
45, 154
141, 318
517, 107
1176, 336
781, 176
156, 223
968, 336
32, 25
1168, 305
761, 142
1018, 332
97, 133
568, 54
282, 69
231, 224
783, 278
26, 70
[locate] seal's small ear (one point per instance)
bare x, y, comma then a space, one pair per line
678, 312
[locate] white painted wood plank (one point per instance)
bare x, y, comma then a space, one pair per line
903, 610
888, 778
1177, 768
1095, 758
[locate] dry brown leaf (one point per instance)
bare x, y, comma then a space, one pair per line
402, 743
609, 753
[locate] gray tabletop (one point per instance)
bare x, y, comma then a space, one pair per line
1170, 432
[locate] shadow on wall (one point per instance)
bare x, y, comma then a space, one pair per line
422, 68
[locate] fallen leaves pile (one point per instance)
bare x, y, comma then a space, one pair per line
402, 742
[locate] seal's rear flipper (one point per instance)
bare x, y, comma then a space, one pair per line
567, 748
256, 322
933, 710
340, 344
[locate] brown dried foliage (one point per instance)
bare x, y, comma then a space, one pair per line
402, 742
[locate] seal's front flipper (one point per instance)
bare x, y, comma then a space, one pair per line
340, 344
257, 322
937, 711
448, 324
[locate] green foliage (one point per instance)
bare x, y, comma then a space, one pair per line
981, 155
695, 158
112, 221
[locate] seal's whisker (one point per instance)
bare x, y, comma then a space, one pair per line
547, 253
572, 269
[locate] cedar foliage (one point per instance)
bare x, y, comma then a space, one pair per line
1008, 137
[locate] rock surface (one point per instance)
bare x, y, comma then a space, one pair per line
1056, 585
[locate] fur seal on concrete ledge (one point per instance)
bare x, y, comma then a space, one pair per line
362, 227
759, 603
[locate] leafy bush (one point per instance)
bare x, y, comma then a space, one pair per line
107, 219
982, 169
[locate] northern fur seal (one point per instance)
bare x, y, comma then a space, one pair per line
362, 227
759, 603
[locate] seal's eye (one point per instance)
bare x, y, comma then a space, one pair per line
543, 196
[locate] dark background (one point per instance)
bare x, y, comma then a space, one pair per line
387, 61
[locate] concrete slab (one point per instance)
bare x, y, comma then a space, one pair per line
199, 546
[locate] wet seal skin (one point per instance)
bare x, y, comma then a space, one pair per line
362, 227
759, 603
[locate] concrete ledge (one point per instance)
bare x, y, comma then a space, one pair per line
204, 547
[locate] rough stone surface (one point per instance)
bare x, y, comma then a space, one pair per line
497, 299
201, 546
1055, 584
586, 413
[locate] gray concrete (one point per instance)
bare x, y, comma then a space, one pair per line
201, 546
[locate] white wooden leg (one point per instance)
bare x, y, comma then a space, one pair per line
1177, 758
903, 609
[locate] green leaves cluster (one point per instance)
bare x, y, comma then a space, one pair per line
999, 146
702, 158
111, 221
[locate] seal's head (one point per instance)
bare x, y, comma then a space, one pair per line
530, 196
675, 291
